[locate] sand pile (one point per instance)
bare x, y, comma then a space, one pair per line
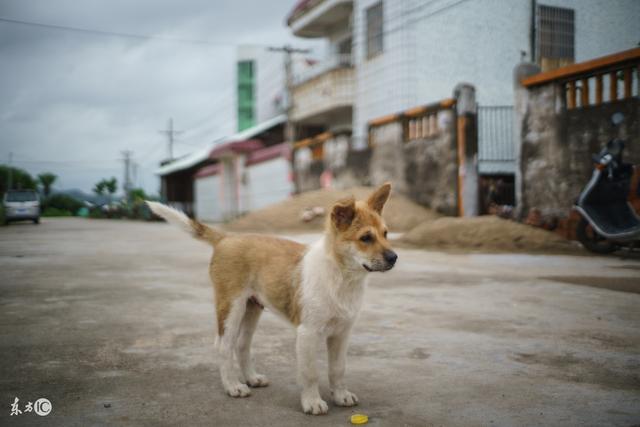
486, 233
400, 213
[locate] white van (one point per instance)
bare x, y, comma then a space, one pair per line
21, 205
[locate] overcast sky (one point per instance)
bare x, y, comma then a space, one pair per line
72, 101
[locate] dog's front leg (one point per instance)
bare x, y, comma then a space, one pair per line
306, 350
337, 349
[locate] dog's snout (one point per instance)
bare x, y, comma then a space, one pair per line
390, 256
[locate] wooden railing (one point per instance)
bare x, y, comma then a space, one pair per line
315, 143
417, 123
606, 79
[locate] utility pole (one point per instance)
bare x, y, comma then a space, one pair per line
10, 172
134, 168
171, 133
289, 132
126, 185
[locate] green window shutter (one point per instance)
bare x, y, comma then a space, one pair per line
246, 94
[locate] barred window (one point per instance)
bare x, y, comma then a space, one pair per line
556, 33
374, 30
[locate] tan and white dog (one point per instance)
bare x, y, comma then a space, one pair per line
318, 288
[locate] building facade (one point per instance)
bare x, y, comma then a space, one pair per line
248, 169
406, 53
260, 85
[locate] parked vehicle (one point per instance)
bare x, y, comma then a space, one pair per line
21, 205
609, 222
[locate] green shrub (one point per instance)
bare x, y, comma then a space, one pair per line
96, 213
1, 214
63, 202
51, 211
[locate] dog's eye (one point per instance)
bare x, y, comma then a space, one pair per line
367, 238
385, 234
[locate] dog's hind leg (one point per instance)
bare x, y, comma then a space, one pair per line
243, 350
230, 315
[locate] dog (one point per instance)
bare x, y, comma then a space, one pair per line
317, 288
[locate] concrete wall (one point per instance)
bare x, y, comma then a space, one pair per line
557, 144
268, 183
348, 168
238, 188
424, 169
208, 198
431, 46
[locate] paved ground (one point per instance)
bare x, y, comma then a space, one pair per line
113, 323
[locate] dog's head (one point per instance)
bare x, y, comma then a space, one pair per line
358, 232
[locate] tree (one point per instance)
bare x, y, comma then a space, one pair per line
99, 188
111, 186
16, 178
138, 195
46, 180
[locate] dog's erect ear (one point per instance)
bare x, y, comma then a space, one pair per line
343, 213
379, 197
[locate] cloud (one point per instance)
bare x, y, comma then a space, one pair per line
72, 101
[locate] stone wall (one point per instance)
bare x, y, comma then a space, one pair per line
425, 169
557, 144
417, 152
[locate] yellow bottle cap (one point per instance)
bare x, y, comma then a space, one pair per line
359, 419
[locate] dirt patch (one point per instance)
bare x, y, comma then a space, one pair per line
621, 284
400, 213
485, 233
568, 367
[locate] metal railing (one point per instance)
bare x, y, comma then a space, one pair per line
496, 146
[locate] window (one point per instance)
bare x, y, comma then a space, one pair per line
556, 37
21, 196
374, 30
246, 95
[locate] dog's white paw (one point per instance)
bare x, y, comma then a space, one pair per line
257, 380
238, 390
344, 398
315, 406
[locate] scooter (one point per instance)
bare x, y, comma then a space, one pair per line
608, 220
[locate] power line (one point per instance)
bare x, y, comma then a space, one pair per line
117, 34
57, 162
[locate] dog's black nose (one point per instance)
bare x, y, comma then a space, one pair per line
390, 256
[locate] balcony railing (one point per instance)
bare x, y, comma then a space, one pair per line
333, 62
595, 81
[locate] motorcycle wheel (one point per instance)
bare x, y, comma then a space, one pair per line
592, 240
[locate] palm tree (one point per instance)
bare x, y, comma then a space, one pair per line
46, 180
111, 186
99, 188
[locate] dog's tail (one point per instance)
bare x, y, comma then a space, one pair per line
191, 226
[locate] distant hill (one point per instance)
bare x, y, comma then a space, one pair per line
87, 197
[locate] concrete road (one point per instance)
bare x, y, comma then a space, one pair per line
113, 322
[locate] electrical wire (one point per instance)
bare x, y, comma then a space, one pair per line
119, 34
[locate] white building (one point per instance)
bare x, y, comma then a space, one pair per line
406, 53
249, 169
260, 84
